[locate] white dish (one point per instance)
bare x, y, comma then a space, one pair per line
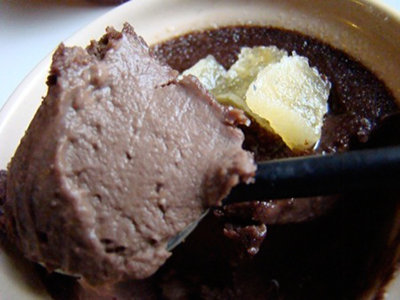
364, 29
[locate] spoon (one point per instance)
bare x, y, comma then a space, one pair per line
316, 175
321, 175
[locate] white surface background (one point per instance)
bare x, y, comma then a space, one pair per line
31, 29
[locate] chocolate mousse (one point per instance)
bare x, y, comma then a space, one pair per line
120, 157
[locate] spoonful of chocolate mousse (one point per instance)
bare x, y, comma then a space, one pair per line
120, 157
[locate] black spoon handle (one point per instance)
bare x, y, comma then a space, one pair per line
322, 175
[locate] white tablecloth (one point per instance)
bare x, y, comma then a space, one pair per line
30, 29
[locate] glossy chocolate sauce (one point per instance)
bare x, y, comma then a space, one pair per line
251, 251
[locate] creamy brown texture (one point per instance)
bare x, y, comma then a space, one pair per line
119, 158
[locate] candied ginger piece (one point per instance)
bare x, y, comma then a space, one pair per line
238, 78
208, 71
293, 98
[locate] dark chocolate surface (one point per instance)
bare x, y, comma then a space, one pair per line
341, 255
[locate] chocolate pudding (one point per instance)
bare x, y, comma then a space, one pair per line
334, 247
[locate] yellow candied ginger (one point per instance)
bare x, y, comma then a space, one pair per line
229, 87
293, 97
210, 72
282, 93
